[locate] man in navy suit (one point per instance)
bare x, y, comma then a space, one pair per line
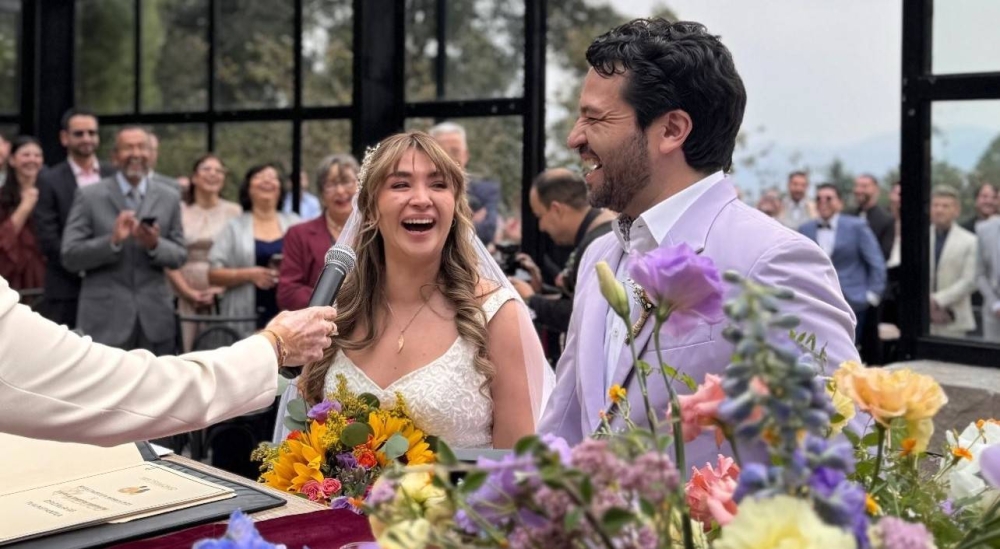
852, 248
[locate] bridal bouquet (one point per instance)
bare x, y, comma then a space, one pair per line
339, 447
838, 461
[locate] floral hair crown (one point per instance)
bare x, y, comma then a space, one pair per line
366, 165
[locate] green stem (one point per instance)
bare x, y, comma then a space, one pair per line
878, 455
594, 523
642, 384
675, 417
977, 542
732, 444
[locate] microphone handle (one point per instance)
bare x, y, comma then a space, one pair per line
324, 294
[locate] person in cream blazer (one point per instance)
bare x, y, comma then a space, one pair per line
953, 280
60, 386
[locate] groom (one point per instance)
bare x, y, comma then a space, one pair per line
659, 113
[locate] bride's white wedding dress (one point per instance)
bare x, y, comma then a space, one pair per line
444, 397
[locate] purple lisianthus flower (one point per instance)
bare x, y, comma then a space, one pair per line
322, 410
989, 464
347, 461
344, 502
682, 282
947, 507
240, 534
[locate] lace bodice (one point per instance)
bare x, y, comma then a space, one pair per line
444, 397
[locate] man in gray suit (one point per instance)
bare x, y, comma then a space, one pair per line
988, 275
122, 233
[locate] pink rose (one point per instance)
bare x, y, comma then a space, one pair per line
331, 486
313, 490
710, 492
701, 410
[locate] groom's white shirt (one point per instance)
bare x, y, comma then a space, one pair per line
646, 234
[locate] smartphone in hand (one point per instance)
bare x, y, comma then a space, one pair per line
148, 221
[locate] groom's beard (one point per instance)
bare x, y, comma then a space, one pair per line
626, 172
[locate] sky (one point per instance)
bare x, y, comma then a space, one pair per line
823, 77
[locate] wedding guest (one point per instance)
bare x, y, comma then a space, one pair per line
986, 207
306, 244
309, 206
988, 276
890, 301
21, 259
57, 186
796, 208
953, 267
866, 196
78, 390
484, 194
770, 204
203, 214
4, 153
245, 256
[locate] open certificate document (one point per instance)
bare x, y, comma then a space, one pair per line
68, 486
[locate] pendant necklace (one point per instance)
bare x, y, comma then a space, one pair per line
401, 341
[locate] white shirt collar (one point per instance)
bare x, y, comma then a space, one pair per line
650, 229
833, 221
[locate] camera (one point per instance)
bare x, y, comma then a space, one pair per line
507, 258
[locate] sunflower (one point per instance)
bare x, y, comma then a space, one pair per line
298, 461
384, 425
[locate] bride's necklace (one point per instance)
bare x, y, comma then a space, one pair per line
402, 341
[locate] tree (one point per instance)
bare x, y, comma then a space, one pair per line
9, 21
988, 167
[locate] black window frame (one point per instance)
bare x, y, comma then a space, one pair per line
920, 89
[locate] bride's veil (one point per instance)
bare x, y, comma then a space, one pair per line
541, 377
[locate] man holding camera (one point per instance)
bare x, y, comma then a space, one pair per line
558, 199
122, 233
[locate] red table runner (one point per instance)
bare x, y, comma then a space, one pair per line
327, 529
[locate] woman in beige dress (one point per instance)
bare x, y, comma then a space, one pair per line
203, 214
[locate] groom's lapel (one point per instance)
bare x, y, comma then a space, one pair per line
591, 355
691, 228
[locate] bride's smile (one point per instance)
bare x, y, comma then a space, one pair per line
416, 206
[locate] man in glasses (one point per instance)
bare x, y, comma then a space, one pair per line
852, 248
56, 187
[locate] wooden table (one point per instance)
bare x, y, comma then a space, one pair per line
296, 505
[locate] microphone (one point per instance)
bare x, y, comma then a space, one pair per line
339, 261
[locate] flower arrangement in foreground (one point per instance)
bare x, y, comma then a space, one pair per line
817, 474
339, 447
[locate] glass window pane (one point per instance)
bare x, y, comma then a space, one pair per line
8, 131
242, 145
965, 155
486, 32
254, 66
180, 145
495, 155
321, 138
10, 32
327, 54
105, 56
174, 55
965, 37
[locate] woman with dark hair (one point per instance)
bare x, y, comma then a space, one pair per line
306, 244
245, 256
21, 260
203, 215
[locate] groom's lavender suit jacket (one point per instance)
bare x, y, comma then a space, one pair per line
736, 237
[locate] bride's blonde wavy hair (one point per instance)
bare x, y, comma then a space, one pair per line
362, 294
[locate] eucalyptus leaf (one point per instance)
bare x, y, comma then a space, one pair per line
526, 444
615, 519
355, 434
297, 410
572, 519
396, 446
444, 455
293, 424
473, 481
369, 400
587, 490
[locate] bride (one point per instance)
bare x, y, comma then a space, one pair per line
427, 313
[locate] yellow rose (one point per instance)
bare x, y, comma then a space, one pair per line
888, 394
844, 407
781, 521
407, 534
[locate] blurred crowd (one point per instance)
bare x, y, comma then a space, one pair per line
863, 242
109, 246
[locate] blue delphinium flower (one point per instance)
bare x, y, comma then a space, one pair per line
240, 534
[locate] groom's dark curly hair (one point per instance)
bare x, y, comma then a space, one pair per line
677, 66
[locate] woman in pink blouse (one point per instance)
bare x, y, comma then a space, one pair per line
21, 260
203, 214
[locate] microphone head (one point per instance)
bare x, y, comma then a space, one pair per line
342, 255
